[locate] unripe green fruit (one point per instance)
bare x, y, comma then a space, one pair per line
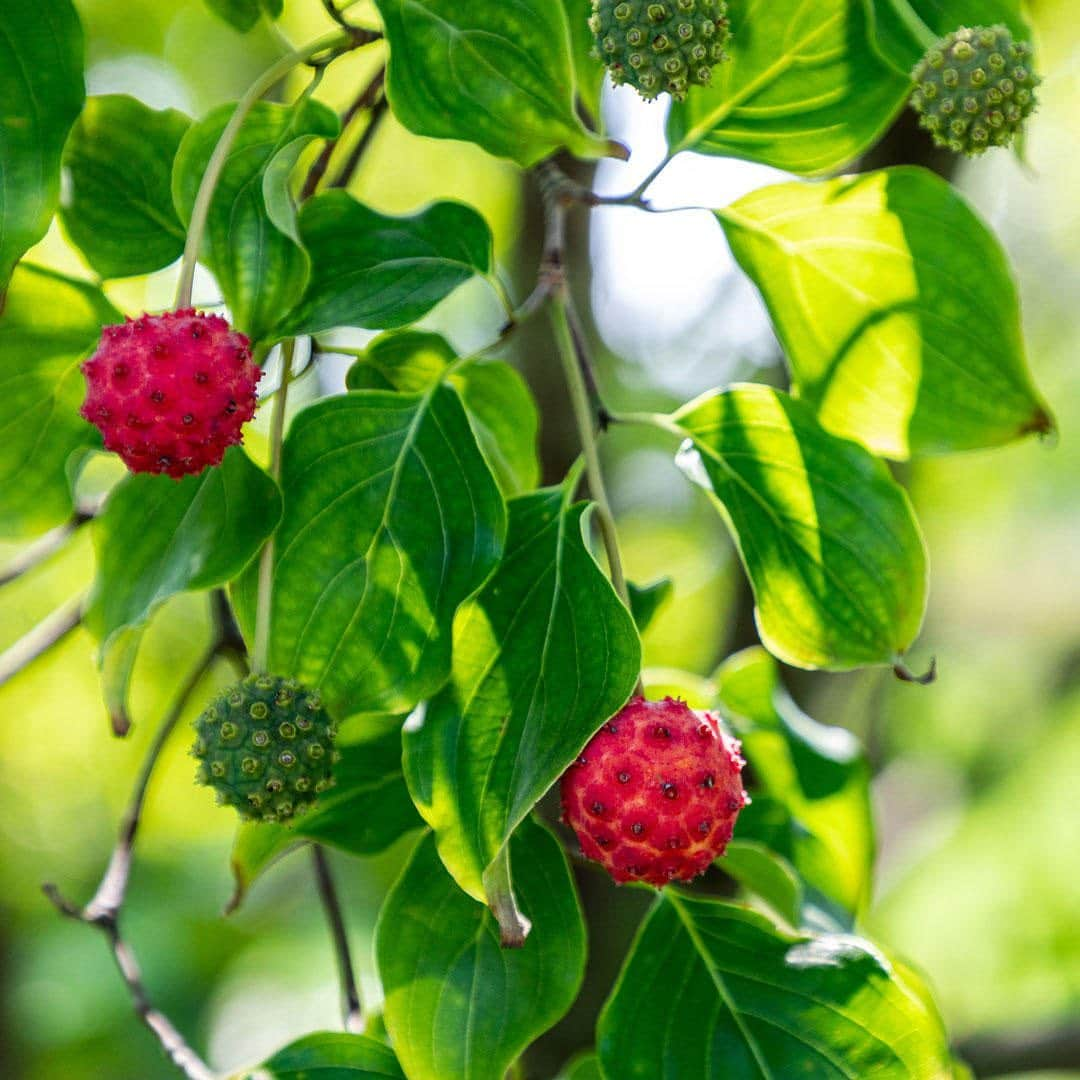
974, 89
266, 746
658, 45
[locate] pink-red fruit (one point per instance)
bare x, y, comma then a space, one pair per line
170, 393
655, 794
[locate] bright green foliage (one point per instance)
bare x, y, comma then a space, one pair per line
896, 308
41, 93
659, 46
802, 91
588, 74
811, 784
778, 1003
380, 542
120, 212
243, 15
766, 875
826, 535
542, 657
974, 89
266, 747
41, 390
457, 1003
382, 272
330, 1055
250, 242
497, 74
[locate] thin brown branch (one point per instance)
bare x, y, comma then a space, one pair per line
352, 1009
1023, 1051
42, 549
49, 632
379, 108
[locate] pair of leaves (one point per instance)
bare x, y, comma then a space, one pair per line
802, 91
41, 93
41, 390
497, 73
896, 308
542, 656
714, 990
827, 537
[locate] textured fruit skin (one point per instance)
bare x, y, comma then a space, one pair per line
974, 89
170, 393
655, 794
658, 45
266, 746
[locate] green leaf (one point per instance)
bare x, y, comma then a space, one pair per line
500, 406
589, 71
647, 600
803, 90
714, 991
812, 782
382, 272
584, 1067
41, 93
331, 1055
256, 847
158, 537
900, 27
494, 73
118, 209
369, 806
457, 1004
41, 390
896, 307
242, 15
767, 875
542, 657
259, 265
392, 518
827, 537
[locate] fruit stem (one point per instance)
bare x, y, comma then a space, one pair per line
200, 211
353, 1012
264, 602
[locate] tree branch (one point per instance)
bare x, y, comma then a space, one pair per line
379, 107
352, 1008
46, 546
49, 632
1048, 1049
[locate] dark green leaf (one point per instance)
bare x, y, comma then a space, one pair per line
494, 73
767, 875
457, 1004
500, 406
647, 600
715, 991
158, 537
588, 70
256, 847
900, 26
41, 390
261, 268
896, 307
584, 1067
827, 537
811, 782
41, 93
331, 1055
369, 806
392, 518
382, 272
242, 15
803, 90
542, 657
118, 209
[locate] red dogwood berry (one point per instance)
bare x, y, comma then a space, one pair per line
170, 393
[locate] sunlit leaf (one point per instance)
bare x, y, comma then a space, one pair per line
588, 71
896, 307
330, 1055
41, 93
382, 272
261, 268
457, 1004
542, 657
392, 518
767, 875
242, 15
827, 537
803, 90
494, 73
41, 390
647, 600
713, 990
256, 847
118, 208
810, 782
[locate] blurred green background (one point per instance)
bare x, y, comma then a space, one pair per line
976, 777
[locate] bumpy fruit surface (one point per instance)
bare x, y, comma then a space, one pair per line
266, 746
658, 45
974, 89
170, 393
655, 794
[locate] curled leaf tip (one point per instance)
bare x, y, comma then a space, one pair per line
120, 722
905, 674
619, 151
